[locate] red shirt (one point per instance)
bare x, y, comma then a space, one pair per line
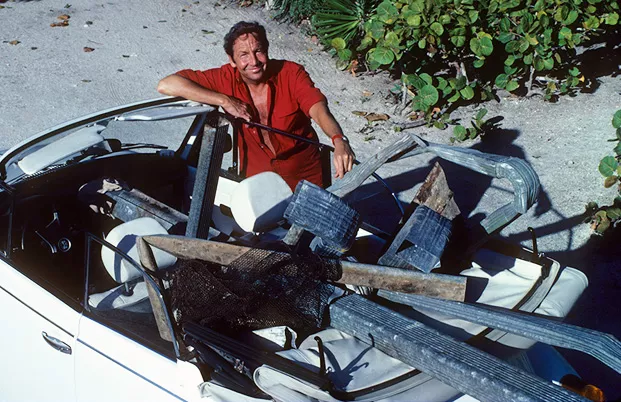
291, 93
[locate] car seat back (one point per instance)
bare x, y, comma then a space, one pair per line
259, 202
124, 237
132, 295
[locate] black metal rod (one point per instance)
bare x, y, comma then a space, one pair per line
315, 143
9, 237
533, 236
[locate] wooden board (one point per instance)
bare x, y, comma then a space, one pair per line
396, 279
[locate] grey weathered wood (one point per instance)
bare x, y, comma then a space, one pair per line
380, 277
436, 195
448, 287
522, 176
604, 347
133, 204
206, 181
159, 309
363, 171
420, 243
357, 176
455, 363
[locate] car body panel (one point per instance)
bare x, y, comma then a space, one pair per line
131, 370
37, 371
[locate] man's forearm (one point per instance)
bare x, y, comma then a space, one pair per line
320, 113
175, 85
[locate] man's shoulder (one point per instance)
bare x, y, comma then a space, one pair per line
285, 70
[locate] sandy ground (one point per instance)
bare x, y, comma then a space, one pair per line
48, 78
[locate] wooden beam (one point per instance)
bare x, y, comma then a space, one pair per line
396, 279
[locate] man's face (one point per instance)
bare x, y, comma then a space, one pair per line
250, 58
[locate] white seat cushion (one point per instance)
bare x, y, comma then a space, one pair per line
124, 237
117, 298
259, 202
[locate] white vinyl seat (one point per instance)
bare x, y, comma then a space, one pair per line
259, 202
131, 295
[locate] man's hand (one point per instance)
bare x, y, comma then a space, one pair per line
237, 108
343, 155
343, 158
176, 85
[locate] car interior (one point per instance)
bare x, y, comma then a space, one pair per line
115, 195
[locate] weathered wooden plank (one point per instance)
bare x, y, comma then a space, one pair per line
604, 347
206, 182
363, 171
441, 286
159, 309
436, 195
357, 176
389, 278
197, 249
455, 363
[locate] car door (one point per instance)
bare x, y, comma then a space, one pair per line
38, 341
120, 355
110, 366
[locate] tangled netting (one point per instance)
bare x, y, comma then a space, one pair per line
258, 290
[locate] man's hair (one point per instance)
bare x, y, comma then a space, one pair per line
243, 28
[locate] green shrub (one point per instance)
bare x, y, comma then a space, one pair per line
601, 218
451, 51
295, 10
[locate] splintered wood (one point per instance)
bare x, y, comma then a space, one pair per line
435, 194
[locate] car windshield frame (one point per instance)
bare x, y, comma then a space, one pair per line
150, 110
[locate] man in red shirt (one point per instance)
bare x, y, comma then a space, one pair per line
276, 93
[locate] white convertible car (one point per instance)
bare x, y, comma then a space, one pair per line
86, 315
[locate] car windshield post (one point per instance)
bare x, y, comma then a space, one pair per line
146, 276
11, 193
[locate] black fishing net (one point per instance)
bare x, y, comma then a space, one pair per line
258, 290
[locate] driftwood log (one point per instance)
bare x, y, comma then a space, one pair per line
396, 279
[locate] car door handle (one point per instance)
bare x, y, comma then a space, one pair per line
56, 343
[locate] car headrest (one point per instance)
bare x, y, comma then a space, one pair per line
124, 238
259, 202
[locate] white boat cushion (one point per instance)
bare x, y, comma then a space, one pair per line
352, 366
259, 202
124, 238
508, 280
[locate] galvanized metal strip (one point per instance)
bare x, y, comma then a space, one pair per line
459, 365
604, 347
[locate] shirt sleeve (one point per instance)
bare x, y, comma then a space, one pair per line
306, 92
213, 79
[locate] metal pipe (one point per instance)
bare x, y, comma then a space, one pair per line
315, 143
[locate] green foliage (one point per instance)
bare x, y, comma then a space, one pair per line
601, 218
479, 126
467, 48
342, 19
